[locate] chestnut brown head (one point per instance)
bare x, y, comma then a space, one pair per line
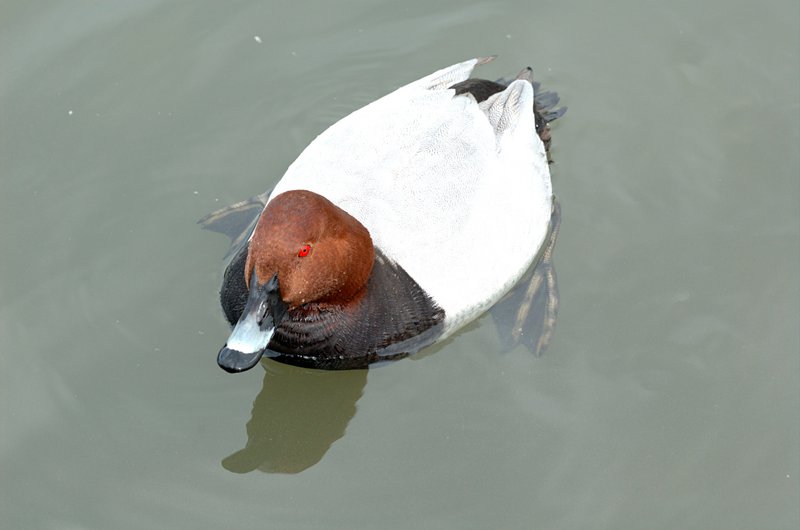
319, 252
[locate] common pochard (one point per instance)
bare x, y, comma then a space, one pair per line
395, 227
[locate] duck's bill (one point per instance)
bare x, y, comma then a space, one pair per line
250, 337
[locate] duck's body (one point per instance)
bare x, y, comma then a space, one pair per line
451, 185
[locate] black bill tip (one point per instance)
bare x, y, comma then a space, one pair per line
233, 361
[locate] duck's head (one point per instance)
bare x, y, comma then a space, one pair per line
304, 250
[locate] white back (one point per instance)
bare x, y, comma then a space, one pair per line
458, 193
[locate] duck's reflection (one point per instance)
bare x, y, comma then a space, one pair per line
296, 417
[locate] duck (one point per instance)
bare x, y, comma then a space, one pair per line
396, 227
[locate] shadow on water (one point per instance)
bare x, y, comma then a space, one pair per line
296, 417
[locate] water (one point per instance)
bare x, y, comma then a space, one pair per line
669, 396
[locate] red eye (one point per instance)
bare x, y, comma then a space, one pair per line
304, 250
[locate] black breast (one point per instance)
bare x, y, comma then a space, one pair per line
394, 318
